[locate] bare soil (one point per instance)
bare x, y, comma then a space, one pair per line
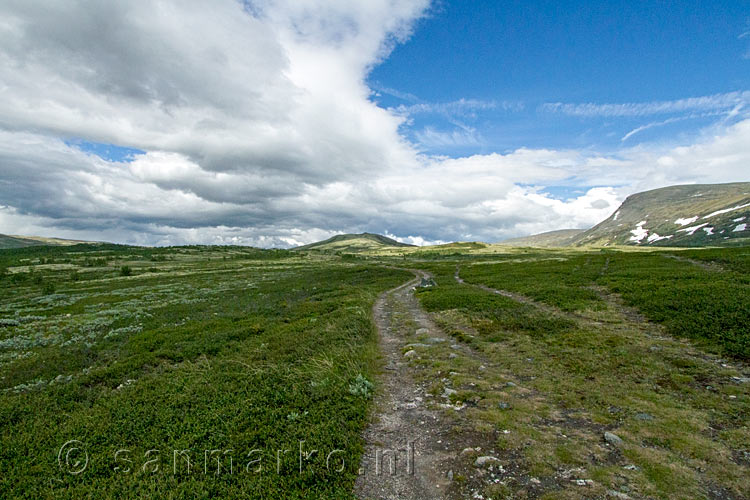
423, 440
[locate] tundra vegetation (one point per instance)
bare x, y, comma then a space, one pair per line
200, 371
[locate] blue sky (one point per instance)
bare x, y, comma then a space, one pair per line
109, 152
516, 57
282, 122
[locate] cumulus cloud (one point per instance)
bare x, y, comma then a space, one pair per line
258, 128
232, 91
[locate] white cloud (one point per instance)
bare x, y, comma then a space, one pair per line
165, 198
745, 34
726, 101
280, 91
462, 107
431, 138
259, 129
667, 122
415, 240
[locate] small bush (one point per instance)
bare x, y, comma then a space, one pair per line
361, 387
126, 271
18, 277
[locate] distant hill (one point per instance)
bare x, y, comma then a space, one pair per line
692, 215
354, 243
559, 238
16, 242
458, 245
7, 241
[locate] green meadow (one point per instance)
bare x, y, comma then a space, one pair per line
231, 372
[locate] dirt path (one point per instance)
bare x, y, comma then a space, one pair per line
505, 293
522, 299
428, 438
707, 265
659, 355
404, 426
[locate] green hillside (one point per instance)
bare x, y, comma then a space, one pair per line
693, 215
7, 241
16, 242
559, 238
354, 243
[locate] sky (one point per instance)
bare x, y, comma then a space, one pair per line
276, 123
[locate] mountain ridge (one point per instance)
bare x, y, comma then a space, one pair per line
16, 241
557, 238
354, 242
683, 215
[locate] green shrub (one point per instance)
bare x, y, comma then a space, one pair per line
361, 387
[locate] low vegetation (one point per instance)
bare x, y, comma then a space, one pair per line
690, 293
224, 357
238, 352
566, 360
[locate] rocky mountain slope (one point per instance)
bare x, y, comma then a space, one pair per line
691, 215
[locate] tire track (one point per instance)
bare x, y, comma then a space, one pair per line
406, 456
